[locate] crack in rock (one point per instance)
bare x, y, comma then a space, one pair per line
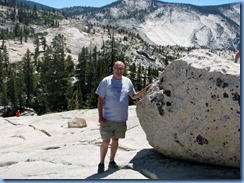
48, 161
132, 127
4, 164
13, 123
49, 148
19, 136
43, 131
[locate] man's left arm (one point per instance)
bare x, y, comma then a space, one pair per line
141, 92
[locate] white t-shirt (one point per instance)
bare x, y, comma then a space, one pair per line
116, 100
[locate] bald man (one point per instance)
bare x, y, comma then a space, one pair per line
113, 102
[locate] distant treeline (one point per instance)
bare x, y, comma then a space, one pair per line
49, 81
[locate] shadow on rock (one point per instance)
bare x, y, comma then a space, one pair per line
102, 175
157, 166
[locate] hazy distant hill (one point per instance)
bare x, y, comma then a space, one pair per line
32, 4
160, 23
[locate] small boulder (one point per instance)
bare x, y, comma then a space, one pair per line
77, 123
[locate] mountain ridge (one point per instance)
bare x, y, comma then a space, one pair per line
214, 27
164, 23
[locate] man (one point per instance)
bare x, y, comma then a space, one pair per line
112, 106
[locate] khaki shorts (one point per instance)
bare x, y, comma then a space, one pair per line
113, 129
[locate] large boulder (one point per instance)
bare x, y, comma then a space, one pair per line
193, 111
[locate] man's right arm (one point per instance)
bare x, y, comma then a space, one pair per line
100, 110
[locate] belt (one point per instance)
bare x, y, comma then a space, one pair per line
109, 121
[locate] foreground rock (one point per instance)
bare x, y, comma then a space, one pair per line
43, 147
193, 111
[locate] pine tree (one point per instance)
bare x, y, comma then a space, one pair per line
21, 94
133, 72
80, 72
12, 90
28, 70
3, 36
37, 44
76, 101
5, 59
138, 78
2, 76
4, 71
56, 71
44, 43
149, 74
46, 82
5, 100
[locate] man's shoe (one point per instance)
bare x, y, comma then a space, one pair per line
113, 165
100, 168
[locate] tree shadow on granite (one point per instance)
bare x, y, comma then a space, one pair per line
102, 175
157, 166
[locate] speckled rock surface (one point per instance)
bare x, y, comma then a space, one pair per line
193, 111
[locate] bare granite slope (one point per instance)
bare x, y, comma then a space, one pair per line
43, 147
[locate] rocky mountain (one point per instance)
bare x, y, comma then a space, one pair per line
158, 23
161, 23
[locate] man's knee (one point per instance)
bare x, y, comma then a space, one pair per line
106, 142
115, 140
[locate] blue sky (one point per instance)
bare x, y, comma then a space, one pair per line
99, 3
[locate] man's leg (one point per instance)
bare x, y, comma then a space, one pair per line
114, 147
103, 150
